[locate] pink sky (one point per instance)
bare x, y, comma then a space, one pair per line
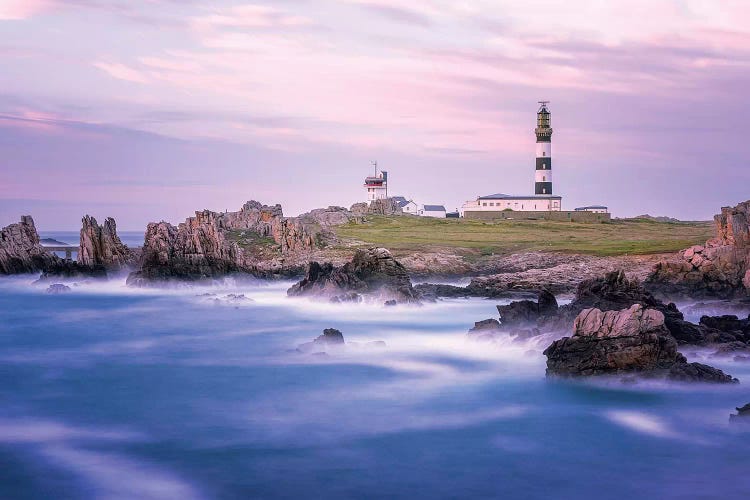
151, 109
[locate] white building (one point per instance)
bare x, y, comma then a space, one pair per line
499, 202
597, 209
377, 185
408, 206
433, 211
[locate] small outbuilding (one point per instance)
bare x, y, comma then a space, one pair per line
597, 209
433, 211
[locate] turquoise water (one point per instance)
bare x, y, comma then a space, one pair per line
109, 392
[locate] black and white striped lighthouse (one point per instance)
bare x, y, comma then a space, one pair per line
543, 174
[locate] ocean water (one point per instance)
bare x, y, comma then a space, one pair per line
110, 392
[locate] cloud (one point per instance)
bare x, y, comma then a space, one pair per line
13, 10
397, 13
122, 72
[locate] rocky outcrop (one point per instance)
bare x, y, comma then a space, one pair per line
384, 206
256, 240
20, 249
373, 273
100, 245
633, 340
510, 275
196, 249
720, 268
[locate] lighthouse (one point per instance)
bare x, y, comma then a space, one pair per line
543, 174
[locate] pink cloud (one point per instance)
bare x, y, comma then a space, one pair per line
122, 72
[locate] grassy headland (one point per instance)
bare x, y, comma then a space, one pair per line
618, 237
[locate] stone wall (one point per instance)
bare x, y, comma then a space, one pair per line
565, 215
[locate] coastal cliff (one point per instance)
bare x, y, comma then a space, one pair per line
720, 268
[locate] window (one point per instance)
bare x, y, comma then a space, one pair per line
484, 204
544, 178
492, 204
544, 153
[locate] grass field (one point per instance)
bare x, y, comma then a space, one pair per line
618, 237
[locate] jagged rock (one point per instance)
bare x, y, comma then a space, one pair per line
196, 249
633, 340
58, 288
256, 240
743, 414
20, 249
100, 245
720, 268
372, 272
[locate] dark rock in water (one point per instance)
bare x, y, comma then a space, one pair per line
524, 312
58, 288
490, 324
390, 303
727, 323
352, 297
372, 272
698, 372
330, 336
70, 269
633, 340
433, 291
743, 414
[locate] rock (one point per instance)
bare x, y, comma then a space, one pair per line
196, 249
720, 268
743, 414
385, 206
100, 245
698, 372
390, 303
58, 288
20, 249
525, 312
330, 338
256, 240
372, 272
633, 340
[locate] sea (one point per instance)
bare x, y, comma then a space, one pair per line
200, 392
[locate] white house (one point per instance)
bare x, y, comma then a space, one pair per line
597, 209
408, 206
433, 211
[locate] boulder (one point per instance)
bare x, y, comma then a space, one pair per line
373, 273
525, 312
633, 340
330, 338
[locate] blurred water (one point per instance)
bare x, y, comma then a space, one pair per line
109, 392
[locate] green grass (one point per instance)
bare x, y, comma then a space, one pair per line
618, 237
